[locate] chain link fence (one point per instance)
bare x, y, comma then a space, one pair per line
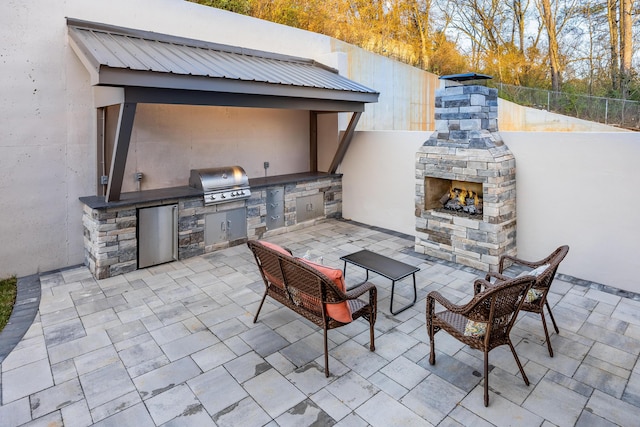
616, 112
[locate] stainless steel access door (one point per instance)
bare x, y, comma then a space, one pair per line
157, 235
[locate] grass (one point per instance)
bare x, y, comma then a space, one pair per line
8, 290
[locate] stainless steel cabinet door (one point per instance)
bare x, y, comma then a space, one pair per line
236, 224
225, 226
215, 228
309, 207
157, 235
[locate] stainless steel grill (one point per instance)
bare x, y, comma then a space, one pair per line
220, 185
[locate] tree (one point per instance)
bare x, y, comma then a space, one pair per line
583, 45
519, 10
612, 20
549, 22
626, 46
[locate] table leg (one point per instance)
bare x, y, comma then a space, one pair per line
344, 273
415, 296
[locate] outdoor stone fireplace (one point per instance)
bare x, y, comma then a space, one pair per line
465, 179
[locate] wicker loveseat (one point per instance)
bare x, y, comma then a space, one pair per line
309, 290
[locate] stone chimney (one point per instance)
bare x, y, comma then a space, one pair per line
466, 113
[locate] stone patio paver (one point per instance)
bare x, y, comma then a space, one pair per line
175, 345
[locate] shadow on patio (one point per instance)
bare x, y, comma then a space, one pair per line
175, 345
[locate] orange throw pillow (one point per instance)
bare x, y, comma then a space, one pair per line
339, 311
275, 247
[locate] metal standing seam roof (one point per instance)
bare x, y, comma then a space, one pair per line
119, 56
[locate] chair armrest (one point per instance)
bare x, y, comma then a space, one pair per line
437, 296
360, 290
498, 276
531, 264
514, 260
481, 284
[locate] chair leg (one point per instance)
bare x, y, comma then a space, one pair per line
552, 319
255, 319
486, 378
432, 354
326, 354
515, 356
546, 334
372, 345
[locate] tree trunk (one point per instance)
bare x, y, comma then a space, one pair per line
626, 46
421, 19
549, 21
518, 13
612, 19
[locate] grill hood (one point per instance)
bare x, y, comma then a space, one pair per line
221, 184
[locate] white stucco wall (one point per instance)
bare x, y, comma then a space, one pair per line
579, 189
170, 140
378, 185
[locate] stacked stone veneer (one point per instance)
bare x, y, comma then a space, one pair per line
110, 234
467, 147
110, 242
330, 187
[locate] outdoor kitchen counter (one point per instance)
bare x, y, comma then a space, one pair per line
161, 195
256, 183
112, 229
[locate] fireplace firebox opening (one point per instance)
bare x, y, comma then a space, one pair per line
463, 197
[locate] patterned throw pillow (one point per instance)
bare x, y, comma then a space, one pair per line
532, 295
475, 329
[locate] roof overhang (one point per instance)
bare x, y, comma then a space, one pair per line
160, 68
163, 69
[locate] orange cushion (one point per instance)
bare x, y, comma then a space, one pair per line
275, 247
270, 277
339, 311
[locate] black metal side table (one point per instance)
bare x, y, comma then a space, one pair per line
384, 266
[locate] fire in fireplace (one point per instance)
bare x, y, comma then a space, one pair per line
462, 197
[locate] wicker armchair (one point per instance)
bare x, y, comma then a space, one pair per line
307, 291
495, 307
541, 286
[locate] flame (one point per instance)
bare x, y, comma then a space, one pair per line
463, 196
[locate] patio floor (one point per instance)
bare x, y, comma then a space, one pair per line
176, 345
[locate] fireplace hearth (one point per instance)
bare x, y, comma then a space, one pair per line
465, 179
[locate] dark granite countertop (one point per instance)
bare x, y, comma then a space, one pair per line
290, 178
161, 195
168, 195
